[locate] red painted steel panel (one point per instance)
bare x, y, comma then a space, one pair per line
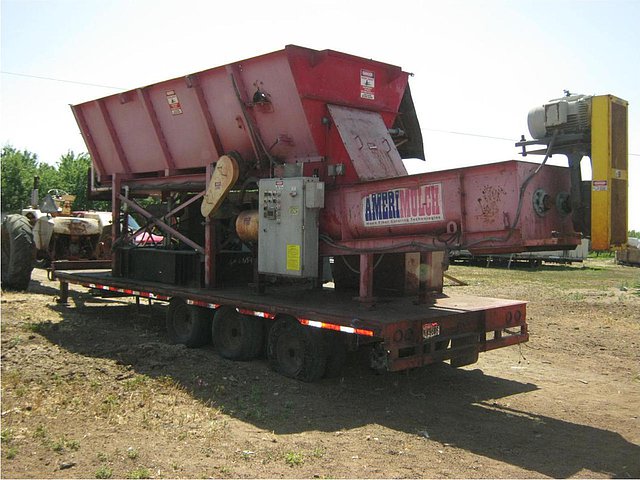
298, 84
367, 140
429, 207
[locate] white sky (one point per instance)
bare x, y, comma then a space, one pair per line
479, 65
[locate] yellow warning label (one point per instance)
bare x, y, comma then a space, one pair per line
293, 257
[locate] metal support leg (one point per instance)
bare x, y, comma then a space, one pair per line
116, 204
366, 279
431, 276
63, 299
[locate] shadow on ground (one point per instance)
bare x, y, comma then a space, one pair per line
463, 408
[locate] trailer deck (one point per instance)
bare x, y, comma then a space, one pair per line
410, 331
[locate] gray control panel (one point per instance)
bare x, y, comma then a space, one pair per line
288, 239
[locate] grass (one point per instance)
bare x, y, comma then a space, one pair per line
34, 327
136, 382
132, 453
13, 342
109, 404
600, 272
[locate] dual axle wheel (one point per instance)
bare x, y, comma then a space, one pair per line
292, 349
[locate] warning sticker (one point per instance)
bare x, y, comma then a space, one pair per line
174, 103
600, 186
367, 84
293, 257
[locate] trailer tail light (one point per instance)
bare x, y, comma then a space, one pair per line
430, 330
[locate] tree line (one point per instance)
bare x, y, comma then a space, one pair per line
18, 168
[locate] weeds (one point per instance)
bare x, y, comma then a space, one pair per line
136, 382
11, 453
21, 391
318, 452
576, 296
73, 445
34, 327
63, 444
41, 432
139, 472
103, 457
293, 459
7, 435
109, 404
13, 342
58, 445
104, 472
132, 453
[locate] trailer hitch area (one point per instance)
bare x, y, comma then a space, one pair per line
379, 358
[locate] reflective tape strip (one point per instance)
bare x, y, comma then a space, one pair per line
126, 291
244, 311
255, 313
338, 328
200, 303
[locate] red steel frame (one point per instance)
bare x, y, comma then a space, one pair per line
491, 323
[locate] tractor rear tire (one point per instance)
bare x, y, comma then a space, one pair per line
187, 324
237, 336
18, 250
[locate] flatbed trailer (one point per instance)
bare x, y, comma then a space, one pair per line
404, 333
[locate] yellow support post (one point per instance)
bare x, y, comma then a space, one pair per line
609, 161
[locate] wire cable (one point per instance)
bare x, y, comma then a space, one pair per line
51, 79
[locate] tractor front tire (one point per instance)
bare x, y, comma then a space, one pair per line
18, 250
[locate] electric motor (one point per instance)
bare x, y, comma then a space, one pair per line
569, 114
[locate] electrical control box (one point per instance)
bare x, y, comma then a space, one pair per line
288, 239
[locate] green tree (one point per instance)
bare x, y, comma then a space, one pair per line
17, 171
48, 179
72, 177
69, 174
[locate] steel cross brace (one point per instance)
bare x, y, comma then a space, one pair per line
161, 224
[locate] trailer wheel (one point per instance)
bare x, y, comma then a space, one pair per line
17, 252
237, 336
296, 351
188, 324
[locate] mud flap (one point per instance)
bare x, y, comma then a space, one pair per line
468, 347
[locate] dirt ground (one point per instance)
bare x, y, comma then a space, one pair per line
93, 390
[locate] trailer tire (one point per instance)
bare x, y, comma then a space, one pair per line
187, 324
237, 336
18, 250
296, 351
